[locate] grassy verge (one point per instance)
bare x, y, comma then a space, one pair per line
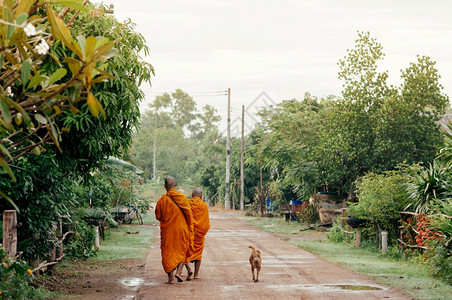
121, 255
128, 241
410, 278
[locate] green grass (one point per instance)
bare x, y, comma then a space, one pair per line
120, 245
410, 278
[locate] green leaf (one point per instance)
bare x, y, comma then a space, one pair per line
23, 7
19, 108
6, 167
36, 80
25, 71
41, 119
20, 19
4, 196
5, 151
57, 75
6, 114
77, 4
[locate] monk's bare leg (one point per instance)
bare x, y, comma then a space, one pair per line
197, 266
179, 269
170, 277
190, 273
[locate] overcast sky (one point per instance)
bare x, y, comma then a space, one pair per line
283, 48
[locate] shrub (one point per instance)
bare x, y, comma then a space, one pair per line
16, 277
82, 243
337, 235
441, 264
381, 198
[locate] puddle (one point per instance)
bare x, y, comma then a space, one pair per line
356, 287
327, 288
231, 287
131, 282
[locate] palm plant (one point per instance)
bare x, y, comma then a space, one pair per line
428, 185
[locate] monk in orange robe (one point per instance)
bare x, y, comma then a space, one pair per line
201, 224
176, 227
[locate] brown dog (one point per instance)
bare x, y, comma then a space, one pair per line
255, 261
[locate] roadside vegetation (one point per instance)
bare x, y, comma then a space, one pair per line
390, 269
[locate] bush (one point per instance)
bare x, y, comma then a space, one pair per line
81, 245
381, 198
308, 214
16, 277
336, 235
441, 264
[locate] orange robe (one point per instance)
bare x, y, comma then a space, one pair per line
201, 224
176, 231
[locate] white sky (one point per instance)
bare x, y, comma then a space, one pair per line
283, 48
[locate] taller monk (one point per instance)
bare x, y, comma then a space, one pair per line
176, 229
201, 224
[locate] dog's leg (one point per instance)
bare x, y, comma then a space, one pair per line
257, 274
252, 271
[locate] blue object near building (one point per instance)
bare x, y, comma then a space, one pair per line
295, 206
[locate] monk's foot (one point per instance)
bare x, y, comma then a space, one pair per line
169, 282
178, 277
189, 276
196, 276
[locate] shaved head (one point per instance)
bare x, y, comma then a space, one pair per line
170, 183
181, 191
197, 192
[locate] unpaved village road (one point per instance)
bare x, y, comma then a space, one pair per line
288, 272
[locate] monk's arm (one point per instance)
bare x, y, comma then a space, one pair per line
158, 211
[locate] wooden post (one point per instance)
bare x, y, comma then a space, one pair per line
10, 232
358, 237
343, 218
59, 250
53, 252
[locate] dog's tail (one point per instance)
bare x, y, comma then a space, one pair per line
254, 250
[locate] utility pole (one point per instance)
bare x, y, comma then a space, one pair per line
242, 178
228, 153
155, 145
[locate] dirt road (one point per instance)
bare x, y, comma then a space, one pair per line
287, 272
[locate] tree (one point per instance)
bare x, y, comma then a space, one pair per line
179, 131
91, 141
289, 133
374, 126
33, 94
96, 120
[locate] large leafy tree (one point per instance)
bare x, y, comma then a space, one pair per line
91, 140
179, 130
374, 126
82, 110
38, 86
289, 132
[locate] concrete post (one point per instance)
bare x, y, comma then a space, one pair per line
358, 237
384, 242
96, 238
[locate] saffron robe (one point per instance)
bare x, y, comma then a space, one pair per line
176, 230
201, 225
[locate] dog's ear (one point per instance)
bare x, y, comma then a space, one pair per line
258, 251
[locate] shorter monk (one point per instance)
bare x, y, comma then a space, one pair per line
201, 225
176, 227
